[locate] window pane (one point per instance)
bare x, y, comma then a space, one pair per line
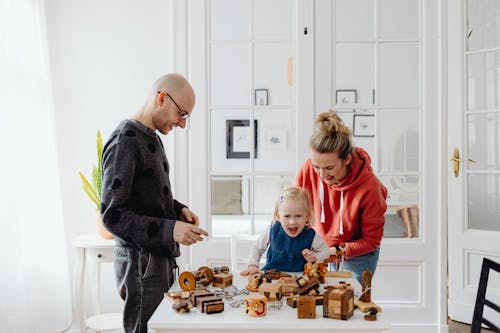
227, 206
399, 79
355, 71
484, 202
398, 19
483, 141
402, 216
399, 141
354, 20
230, 72
484, 75
271, 72
483, 29
230, 13
273, 19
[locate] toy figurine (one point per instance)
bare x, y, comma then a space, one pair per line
337, 260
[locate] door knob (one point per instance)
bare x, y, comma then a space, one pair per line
455, 158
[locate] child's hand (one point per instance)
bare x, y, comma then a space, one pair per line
252, 269
309, 255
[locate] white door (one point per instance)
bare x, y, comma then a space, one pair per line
377, 64
474, 130
243, 147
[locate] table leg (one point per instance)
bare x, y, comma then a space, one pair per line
78, 289
96, 287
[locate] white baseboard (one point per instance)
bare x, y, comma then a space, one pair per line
415, 328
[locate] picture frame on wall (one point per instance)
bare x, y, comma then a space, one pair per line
238, 138
364, 125
346, 97
276, 140
261, 97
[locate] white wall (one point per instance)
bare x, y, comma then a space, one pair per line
104, 56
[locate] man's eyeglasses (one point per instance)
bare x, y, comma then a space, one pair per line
182, 113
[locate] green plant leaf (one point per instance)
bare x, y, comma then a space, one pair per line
91, 193
99, 164
96, 179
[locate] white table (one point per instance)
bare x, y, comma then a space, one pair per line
94, 250
165, 319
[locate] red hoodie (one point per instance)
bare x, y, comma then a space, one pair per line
364, 205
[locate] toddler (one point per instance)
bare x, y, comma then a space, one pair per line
290, 240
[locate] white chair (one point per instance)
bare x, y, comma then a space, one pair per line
244, 244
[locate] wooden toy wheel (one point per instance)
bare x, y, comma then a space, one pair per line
187, 281
206, 275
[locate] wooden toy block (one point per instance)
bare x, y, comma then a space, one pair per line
223, 280
254, 281
272, 291
317, 270
372, 316
364, 303
213, 307
255, 305
292, 301
274, 274
202, 301
337, 261
366, 306
306, 285
306, 307
195, 294
366, 286
318, 299
344, 274
288, 285
221, 269
338, 302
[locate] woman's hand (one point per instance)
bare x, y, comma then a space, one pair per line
252, 269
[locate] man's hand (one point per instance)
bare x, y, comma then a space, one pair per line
309, 255
188, 216
187, 233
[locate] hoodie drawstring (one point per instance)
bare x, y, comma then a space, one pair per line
341, 228
322, 201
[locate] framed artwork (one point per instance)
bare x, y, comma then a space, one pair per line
364, 125
346, 97
276, 140
238, 138
261, 97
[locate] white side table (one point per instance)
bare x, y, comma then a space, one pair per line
94, 250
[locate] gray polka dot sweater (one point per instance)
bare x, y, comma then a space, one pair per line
137, 205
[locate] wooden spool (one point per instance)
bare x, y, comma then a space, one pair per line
255, 305
189, 280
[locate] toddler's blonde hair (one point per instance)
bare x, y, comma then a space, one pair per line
296, 194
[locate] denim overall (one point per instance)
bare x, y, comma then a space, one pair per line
284, 253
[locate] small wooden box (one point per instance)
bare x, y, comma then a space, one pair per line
223, 280
201, 301
288, 285
272, 291
199, 293
338, 303
306, 307
213, 307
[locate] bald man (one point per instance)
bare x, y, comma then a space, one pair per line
137, 203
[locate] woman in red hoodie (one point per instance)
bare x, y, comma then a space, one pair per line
349, 201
